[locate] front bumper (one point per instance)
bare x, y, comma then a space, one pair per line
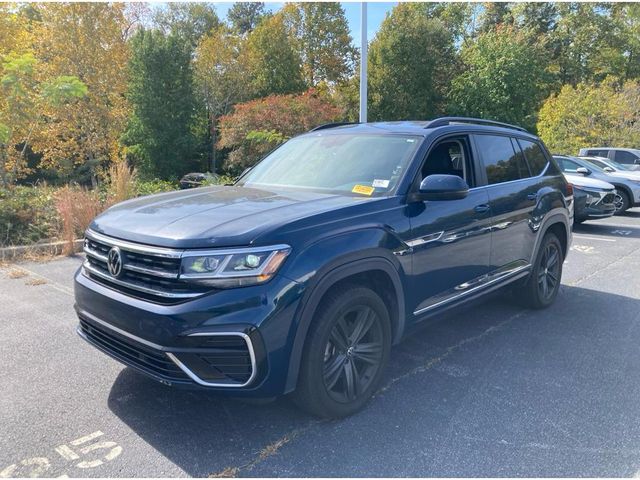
229, 340
592, 210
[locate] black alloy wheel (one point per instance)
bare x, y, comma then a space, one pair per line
345, 353
353, 355
549, 271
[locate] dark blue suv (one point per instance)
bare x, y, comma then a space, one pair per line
301, 276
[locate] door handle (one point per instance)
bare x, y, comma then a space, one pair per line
532, 196
483, 208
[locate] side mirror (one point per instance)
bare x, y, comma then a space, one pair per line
583, 171
608, 169
441, 187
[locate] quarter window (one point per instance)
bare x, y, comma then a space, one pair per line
500, 159
535, 157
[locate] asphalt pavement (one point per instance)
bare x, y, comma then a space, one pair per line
490, 390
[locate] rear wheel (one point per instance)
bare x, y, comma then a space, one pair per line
347, 348
543, 284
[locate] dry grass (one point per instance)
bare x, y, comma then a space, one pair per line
76, 207
122, 182
35, 281
16, 273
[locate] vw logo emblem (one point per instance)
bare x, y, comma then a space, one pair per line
114, 261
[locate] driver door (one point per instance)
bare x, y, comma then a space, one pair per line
450, 239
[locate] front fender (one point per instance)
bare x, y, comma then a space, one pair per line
332, 259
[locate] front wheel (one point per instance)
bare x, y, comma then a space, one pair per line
621, 202
543, 283
346, 351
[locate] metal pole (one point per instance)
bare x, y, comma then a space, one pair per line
363, 62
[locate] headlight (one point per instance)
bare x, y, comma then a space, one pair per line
591, 196
226, 268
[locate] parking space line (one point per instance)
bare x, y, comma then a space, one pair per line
587, 237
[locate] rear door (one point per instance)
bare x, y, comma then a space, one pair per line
513, 194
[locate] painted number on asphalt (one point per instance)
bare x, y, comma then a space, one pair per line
91, 451
622, 232
583, 248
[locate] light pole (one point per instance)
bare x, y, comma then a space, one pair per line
363, 62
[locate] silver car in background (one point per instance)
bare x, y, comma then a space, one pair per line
625, 156
628, 190
614, 168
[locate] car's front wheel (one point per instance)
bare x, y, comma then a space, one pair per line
346, 351
621, 202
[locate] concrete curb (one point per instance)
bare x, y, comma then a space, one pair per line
53, 248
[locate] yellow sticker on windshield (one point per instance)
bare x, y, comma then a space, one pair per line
363, 189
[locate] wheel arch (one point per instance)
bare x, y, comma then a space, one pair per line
377, 272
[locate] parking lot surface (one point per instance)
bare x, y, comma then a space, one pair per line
490, 390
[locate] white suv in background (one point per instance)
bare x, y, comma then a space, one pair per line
626, 156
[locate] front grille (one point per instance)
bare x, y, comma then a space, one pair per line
148, 272
145, 358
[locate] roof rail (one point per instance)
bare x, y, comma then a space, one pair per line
331, 125
439, 122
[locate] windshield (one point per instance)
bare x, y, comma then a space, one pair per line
362, 164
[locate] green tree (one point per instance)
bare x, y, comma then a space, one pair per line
188, 20
160, 136
504, 78
273, 63
411, 63
588, 115
322, 40
23, 106
222, 78
245, 16
495, 14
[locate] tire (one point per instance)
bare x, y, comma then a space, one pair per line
579, 221
623, 204
541, 288
340, 372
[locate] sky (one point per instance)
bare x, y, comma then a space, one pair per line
376, 12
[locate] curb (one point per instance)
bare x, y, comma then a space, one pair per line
52, 248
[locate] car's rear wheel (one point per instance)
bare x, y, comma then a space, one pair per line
346, 351
621, 202
543, 284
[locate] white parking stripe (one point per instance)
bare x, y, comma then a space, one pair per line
577, 235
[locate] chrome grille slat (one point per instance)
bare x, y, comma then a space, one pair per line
154, 272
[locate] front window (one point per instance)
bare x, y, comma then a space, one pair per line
362, 164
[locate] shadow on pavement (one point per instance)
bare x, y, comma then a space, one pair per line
553, 366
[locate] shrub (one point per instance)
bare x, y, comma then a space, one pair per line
122, 182
27, 215
154, 186
256, 127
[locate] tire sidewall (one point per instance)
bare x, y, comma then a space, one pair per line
550, 238
319, 336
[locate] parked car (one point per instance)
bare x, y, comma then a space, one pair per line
593, 199
341, 242
628, 190
614, 168
193, 180
626, 156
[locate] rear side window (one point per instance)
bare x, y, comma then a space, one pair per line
621, 156
501, 161
597, 153
535, 157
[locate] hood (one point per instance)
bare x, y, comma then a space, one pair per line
212, 217
580, 181
627, 175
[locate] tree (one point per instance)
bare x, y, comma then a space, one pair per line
245, 16
411, 64
322, 39
24, 100
159, 136
256, 127
588, 115
495, 14
84, 40
222, 78
504, 78
190, 21
273, 63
